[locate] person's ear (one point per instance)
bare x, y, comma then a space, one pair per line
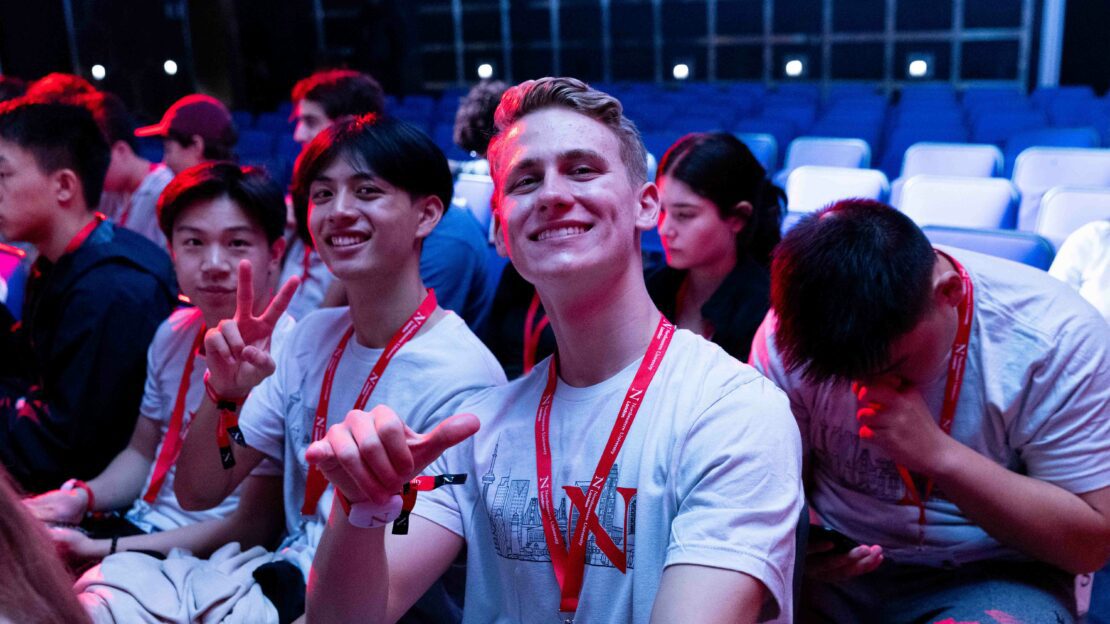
500, 242
277, 252
948, 288
647, 204
121, 150
66, 187
197, 147
739, 216
430, 209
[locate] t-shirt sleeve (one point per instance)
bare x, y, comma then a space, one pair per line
738, 483
765, 358
262, 419
1064, 438
1074, 256
153, 399
443, 505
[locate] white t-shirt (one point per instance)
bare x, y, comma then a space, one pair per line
709, 475
315, 278
165, 364
1083, 263
424, 383
142, 208
1035, 399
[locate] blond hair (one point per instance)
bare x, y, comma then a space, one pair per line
572, 94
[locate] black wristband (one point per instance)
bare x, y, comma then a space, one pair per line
115, 542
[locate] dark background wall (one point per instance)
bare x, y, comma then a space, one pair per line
250, 52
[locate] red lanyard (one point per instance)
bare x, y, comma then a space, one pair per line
957, 362
306, 263
171, 446
532, 332
569, 563
316, 483
79, 238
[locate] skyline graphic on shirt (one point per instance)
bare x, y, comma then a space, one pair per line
517, 526
841, 453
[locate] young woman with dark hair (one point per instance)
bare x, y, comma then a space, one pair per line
720, 220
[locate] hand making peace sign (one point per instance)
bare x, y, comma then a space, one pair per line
238, 349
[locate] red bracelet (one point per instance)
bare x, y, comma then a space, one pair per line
77, 483
221, 402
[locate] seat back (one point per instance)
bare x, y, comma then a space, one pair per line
952, 159
1064, 209
763, 146
826, 151
1040, 168
1024, 247
811, 187
961, 202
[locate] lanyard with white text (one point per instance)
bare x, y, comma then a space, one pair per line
171, 446
569, 562
316, 483
957, 362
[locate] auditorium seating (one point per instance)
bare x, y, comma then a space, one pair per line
1049, 138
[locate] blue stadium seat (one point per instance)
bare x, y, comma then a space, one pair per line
825, 151
1040, 168
902, 137
999, 126
255, 144
810, 187
243, 120
763, 146
960, 201
1065, 209
1023, 247
1047, 137
784, 131
274, 123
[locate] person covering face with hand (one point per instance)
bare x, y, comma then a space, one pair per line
954, 411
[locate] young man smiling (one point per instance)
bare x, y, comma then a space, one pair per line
376, 188
214, 215
695, 494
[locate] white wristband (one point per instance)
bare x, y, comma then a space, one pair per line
367, 515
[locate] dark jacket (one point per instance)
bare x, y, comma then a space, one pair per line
736, 308
87, 323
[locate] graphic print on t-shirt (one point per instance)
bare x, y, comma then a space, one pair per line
514, 516
842, 454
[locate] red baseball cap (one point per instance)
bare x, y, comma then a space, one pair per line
195, 114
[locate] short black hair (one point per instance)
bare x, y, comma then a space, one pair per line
111, 115
387, 148
249, 187
720, 168
474, 118
846, 282
59, 136
213, 150
341, 93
